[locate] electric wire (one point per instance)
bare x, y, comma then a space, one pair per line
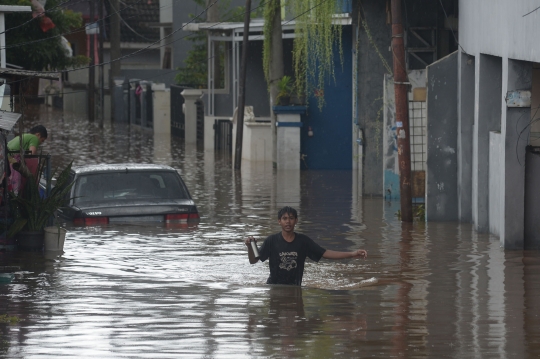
130, 54
453, 33
147, 48
78, 29
157, 47
530, 12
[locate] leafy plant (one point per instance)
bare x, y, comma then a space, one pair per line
8, 319
32, 211
28, 46
285, 87
195, 71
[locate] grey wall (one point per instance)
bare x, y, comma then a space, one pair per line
517, 134
370, 89
441, 177
496, 184
257, 93
466, 103
500, 28
487, 118
532, 199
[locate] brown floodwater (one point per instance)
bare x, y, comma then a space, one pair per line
118, 291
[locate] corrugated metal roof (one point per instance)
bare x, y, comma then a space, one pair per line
8, 120
26, 73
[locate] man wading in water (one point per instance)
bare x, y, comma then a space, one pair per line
288, 251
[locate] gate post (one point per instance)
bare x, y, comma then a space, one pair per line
190, 111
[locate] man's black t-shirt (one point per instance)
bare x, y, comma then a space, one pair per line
287, 258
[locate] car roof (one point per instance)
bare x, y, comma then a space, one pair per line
120, 167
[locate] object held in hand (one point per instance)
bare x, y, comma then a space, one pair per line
255, 248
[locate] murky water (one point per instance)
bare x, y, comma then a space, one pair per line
153, 292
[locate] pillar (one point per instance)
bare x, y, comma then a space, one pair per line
288, 136
190, 112
466, 78
487, 117
515, 130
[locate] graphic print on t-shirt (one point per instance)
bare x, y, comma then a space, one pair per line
288, 260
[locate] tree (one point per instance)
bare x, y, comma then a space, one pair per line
195, 72
33, 48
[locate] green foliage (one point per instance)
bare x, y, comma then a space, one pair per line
419, 213
41, 55
313, 53
269, 11
285, 87
31, 211
195, 72
196, 69
8, 319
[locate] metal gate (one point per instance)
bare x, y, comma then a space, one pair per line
200, 121
223, 136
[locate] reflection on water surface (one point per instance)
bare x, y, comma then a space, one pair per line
155, 292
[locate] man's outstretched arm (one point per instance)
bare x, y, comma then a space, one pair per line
251, 255
360, 253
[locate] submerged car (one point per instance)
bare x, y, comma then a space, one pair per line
113, 193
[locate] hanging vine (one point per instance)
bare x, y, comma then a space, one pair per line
314, 44
268, 14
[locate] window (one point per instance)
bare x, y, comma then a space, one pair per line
130, 185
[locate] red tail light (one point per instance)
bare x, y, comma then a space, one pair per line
90, 221
180, 217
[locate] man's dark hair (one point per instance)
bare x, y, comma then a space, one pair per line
39, 129
289, 210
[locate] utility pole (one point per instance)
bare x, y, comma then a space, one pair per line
275, 71
401, 83
242, 90
115, 50
101, 69
92, 69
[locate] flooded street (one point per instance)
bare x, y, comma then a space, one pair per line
134, 291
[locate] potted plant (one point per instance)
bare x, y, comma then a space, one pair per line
32, 211
285, 91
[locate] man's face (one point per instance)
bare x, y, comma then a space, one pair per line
41, 139
287, 222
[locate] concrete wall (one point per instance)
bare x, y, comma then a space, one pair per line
369, 101
532, 199
501, 35
500, 28
466, 106
515, 130
441, 177
487, 117
495, 187
257, 96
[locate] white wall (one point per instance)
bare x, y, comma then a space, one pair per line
498, 27
496, 189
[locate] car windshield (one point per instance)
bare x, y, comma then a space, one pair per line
132, 185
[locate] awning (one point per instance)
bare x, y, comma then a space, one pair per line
8, 120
